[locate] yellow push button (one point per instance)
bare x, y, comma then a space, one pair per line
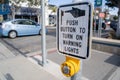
70, 66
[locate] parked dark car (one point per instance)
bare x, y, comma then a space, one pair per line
113, 25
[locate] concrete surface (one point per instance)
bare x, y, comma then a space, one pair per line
115, 75
100, 66
19, 68
5, 53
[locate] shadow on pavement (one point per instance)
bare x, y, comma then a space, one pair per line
14, 48
8, 76
114, 60
52, 32
37, 60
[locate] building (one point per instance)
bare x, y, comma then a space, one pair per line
26, 13
33, 13
4, 9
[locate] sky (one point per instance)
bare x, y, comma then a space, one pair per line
60, 2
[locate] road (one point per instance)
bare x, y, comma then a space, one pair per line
29, 44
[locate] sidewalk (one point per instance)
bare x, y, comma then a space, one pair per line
100, 65
4, 52
20, 68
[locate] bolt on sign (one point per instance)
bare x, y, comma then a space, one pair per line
74, 29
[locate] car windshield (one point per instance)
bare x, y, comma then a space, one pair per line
6, 20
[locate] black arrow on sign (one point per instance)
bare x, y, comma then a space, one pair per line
76, 12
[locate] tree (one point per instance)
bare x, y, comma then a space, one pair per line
15, 5
53, 8
34, 2
37, 3
115, 3
115, 17
29, 2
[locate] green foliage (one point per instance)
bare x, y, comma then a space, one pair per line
54, 9
112, 3
30, 2
34, 2
115, 17
16, 2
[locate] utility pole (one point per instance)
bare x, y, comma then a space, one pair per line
100, 24
44, 53
78, 76
98, 4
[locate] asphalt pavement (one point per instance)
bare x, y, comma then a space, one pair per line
100, 66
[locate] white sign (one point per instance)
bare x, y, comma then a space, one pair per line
74, 29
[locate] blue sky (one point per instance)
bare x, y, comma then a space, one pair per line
60, 2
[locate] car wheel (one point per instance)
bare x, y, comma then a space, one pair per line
40, 32
12, 34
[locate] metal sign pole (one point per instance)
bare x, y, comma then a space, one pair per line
78, 76
44, 54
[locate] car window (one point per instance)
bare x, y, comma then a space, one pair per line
28, 22
14, 22
18, 22
24, 22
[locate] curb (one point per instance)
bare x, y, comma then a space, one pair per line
49, 51
50, 67
115, 75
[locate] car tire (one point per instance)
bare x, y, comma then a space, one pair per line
40, 32
12, 34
